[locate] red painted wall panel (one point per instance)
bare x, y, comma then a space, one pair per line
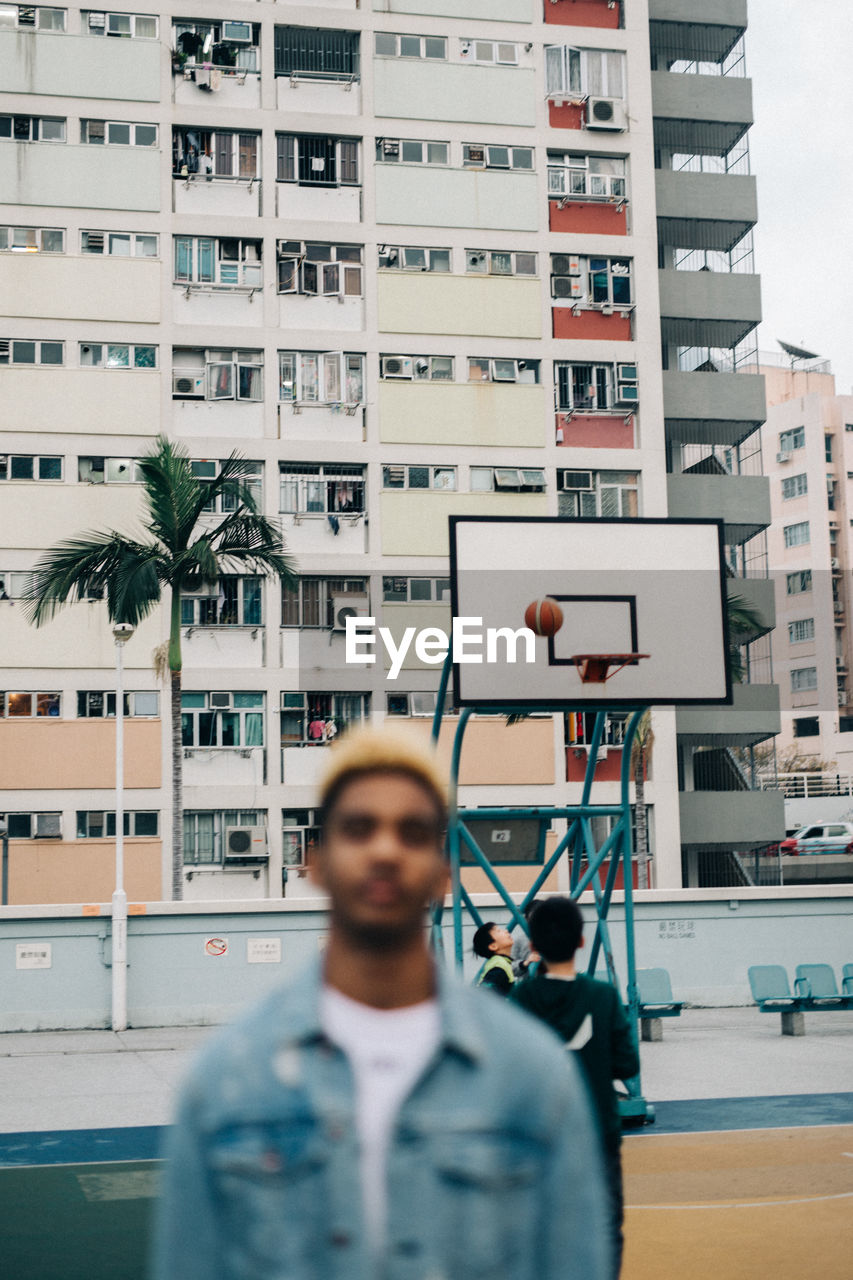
590, 325
592, 431
588, 218
570, 115
582, 13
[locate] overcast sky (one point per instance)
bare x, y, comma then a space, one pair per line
799, 57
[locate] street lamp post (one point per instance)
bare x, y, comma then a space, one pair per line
122, 631
4, 838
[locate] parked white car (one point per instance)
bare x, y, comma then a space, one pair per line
820, 837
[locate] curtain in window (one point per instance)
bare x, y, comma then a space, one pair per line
250, 382
252, 602
223, 154
285, 145
248, 155
254, 726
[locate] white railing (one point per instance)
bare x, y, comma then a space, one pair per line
802, 786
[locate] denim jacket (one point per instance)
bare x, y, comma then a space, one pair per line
493, 1168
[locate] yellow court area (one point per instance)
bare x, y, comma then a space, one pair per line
740, 1205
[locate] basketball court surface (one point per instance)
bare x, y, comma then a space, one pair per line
746, 1174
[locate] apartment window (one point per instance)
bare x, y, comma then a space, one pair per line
390, 45
100, 824
594, 387
231, 602
315, 160
500, 262
30, 706
204, 373
326, 270
32, 128
579, 728
223, 44
204, 832
129, 26
310, 601
30, 466
28, 17
489, 52
417, 703
594, 281
403, 476
120, 244
412, 258
581, 73
252, 476
312, 719
316, 53
485, 369
396, 590
222, 719
799, 582
214, 154
421, 368
120, 133
223, 263
117, 355
612, 495
321, 377
519, 479
796, 535
24, 351
329, 489
98, 470
94, 704
827, 448
301, 835
803, 678
14, 585
791, 440
34, 826
477, 155
32, 240
801, 629
795, 486
411, 151
809, 727
586, 176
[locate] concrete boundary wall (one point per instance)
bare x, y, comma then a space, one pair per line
199, 963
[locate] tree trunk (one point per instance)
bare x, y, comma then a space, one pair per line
642, 827
177, 791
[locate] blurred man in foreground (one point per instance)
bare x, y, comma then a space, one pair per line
376, 1119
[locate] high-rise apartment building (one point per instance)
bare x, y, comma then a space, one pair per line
808, 450
410, 258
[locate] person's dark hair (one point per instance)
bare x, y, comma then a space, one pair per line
556, 929
483, 940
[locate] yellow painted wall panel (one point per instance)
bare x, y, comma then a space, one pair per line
489, 306
58, 287
476, 414
415, 524
495, 753
51, 871
53, 755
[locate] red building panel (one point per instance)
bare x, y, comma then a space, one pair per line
583, 13
590, 325
589, 217
595, 431
566, 115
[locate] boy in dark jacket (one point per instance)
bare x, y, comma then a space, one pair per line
588, 1016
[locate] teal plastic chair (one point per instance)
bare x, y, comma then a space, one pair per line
655, 992
847, 980
816, 984
770, 990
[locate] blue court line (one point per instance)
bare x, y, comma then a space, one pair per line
88, 1146
698, 1115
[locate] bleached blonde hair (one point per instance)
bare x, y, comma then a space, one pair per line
369, 751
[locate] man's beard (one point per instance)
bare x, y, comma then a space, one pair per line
375, 936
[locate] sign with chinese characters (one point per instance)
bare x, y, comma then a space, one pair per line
263, 950
676, 929
216, 946
33, 955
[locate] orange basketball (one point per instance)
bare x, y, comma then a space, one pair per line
545, 617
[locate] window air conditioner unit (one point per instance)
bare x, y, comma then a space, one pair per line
97, 21
396, 367
188, 384
237, 32
390, 146
220, 701
627, 393
606, 113
48, 826
95, 241
833, 564
576, 480
246, 844
347, 606
783, 456
475, 155
5, 346
389, 257
563, 264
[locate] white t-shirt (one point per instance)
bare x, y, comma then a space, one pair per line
388, 1049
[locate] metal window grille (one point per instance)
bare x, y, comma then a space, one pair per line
312, 51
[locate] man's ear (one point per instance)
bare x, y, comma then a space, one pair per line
582, 942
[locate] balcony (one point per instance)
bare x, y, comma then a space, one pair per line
224, 646
315, 534
700, 115
237, 88
712, 408
742, 502
335, 423
693, 29
223, 767
334, 96
704, 210
71, 66
315, 203
731, 819
708, 308
753, 717
224, 197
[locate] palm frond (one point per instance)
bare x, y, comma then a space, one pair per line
230, 482
252, 542
171, 493
95, 565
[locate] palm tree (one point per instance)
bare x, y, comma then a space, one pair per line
743, 621
182, 553
641, 748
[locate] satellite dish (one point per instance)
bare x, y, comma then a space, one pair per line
798, 353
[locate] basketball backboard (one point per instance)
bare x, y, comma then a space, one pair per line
652, 591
